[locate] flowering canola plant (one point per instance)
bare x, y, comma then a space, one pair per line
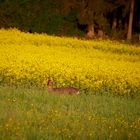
28, 59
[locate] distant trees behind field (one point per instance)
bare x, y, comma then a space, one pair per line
91, 18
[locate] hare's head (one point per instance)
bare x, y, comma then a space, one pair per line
50, 83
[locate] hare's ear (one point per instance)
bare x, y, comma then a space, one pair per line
48, 77
51, 78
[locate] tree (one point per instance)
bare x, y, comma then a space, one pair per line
129, 33
93, 14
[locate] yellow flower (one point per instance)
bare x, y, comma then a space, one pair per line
27, 58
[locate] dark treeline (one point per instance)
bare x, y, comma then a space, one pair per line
119, 19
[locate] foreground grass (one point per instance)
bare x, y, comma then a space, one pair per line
35, 114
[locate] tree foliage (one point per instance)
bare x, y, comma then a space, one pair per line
66, 16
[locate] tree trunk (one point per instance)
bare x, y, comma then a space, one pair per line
129, 33
114, 25
90, 31
100, 34
139, 28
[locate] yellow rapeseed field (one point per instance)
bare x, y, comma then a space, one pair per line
28, 59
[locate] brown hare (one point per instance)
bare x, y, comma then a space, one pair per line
64, 90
